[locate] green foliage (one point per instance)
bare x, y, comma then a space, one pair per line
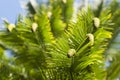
57, 25
41, 45
67, 10
113, 71
98, 11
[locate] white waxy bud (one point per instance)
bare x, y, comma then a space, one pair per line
11, 27
96, 22
49, 14
34, 27
64, 1
91, 38
71, 53
10, 75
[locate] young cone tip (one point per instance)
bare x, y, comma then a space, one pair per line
71, 53
91, 38
64, 1
34, 26
96, 22
11, 27
49, 14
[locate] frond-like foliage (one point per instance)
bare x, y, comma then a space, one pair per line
28, 46
67, 10
113, 70
53, 47
88, 59
57, 25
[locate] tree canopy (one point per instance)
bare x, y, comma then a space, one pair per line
50, 44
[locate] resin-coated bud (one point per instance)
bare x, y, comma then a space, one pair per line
34, 27
91, 38
96, 22
64, 1
71, 53
11, 27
